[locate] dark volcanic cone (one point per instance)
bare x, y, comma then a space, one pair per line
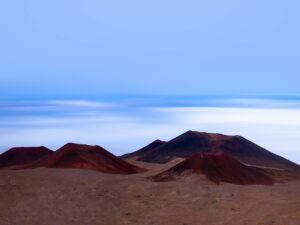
218, 168
22, 155
237, 147
87, 157
143, 151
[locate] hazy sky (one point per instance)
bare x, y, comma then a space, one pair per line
92, 48
122, 73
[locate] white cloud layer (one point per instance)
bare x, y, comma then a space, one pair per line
123, 130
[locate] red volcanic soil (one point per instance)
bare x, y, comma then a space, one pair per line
143, 151
22, 156
218, 168
238, 147
87, 157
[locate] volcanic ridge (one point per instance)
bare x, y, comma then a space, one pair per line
192, 142
143, 151
23, 155
217, 167
86, 157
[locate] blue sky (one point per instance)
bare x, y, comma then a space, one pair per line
92, 48
61, 61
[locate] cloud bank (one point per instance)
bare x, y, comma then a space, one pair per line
126, 126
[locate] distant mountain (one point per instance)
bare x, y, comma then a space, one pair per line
238, 147
143, 151
218, 168
86, 157
22, 156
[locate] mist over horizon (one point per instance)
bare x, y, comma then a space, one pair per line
125, 125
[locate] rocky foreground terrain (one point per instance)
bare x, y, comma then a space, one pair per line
194, 179
47, 196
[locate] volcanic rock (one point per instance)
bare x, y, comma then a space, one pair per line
87, 157
23, 155
217, 167
237, 147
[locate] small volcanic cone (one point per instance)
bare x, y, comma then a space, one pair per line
22, 155
143, 151
218, 168
87, 157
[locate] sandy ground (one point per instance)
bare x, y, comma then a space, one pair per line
83, 197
